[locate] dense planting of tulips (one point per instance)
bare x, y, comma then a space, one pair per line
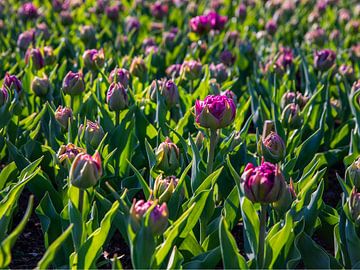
181, 134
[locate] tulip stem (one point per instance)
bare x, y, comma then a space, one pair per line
117, 123
262, 236
210, 160
81, 200
117, 118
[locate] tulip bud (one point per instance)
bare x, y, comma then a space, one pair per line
132, 24
199, 140
164, 187
167, 157
73, 84
291, 117
354, 206
12, 83
94, 59
354, 173
192, 70
215, 112
347, 72
169, 40
138, 68
113, 12
66, 17
291, 97
120, 75
316, 36
85, 170
42, 30
272, 148
324, 59
214, 87
171, 93
216, 21
231, 38
285, 201
159, 10
335, 35
87, 35
117, 97
36, 58
69, 152
241, 12
28, 11
3, 96
40, 86
25, 39
158, 220
173, 71
263, 184
199, 24
271, 27
218, 72
62, 116
49, 57
227, 58
93, 134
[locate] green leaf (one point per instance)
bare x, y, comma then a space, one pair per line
145, 187
175, 260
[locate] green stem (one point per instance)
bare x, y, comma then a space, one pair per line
117, 123
117, 118
262, 236
72, 103
210, 160
202, 231
81, 200
191, 86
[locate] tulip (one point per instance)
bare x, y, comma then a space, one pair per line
347, 72
49, 57
227, 58
354, 173
272, 148
120, 75
62, 116
117, 97
285, 58
12, 83
291, 117
291, 97
263, 184
42, 31
40, 86
69, 152
138, 68
132, 24
218, 72
87, 35
354, 206
324, 59
3, 96
164, 187
159, 10
73, 84
171, 93
25, 39
173, 71
112, 12
232, 37
271, 27
167, 157
66, 17
36, 58
191, 69
85, 170
199, 24
158, 219
28, 11
169, 40
241, 12
215, 112
316, 36
93, 134
94, 59
216, 21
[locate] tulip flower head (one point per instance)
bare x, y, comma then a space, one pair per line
36, 58
324, 59
12, 83
291, 117
117, 97
94, 59
263, 184
215, 112
73, 83
272, 148
69, 152
120, 75
164, 187
28, 11
167, 157
85, 170
354, 206
62, 116
191, 70
25, 39
93, 133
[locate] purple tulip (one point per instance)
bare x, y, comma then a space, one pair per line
73, 83
192, 70
25, 39
62, 116
218, 72
316, 36
93, 133
12, 82
227, 58
347, 72
215, 112
354, 206
272, 148
169, 40
66, 17
241, 12
42, 30
69, 152
132, 24
344, 15
291, 117
263, 184
173, 71
324, 59
49, 57
112, 12
200, 24
94, 59
40, 86
271, 27
159, 10
36, 58
117, 97
28, 11
3, 96
217, 22
120, 75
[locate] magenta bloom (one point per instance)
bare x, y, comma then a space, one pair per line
215, 112
271, 27
12, 82
216, 21
28, 11
112, 12
159, 10
200, 24
263, 184
324, 59
94, 59
285, 58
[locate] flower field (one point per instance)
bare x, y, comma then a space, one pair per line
178, 134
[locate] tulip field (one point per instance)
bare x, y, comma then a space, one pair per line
179, 134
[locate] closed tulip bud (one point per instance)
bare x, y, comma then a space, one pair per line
173, 71
291, 97
199, 140
120, 75
25, 39
241, 12
347, 72
217, 22
354, 206
113, 12
291, 117
3, 96
164, 187
159, 10
85, 170
93, 133
215, 112
227, 58
271, 27
28, 11
169, 40
167, 157
62, 116
354, 173
73, 84
49, 56
214, 87
200, 24
42, 31
218, 72
88, 35
158, 220
66, 17
316, 36
132, 24
324, 59
40, 86
192, 70
171, 94
117, 97
285, 201
36, 58
94, 59
12, 83
263, 184
272, 148
138, 68
69, 152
